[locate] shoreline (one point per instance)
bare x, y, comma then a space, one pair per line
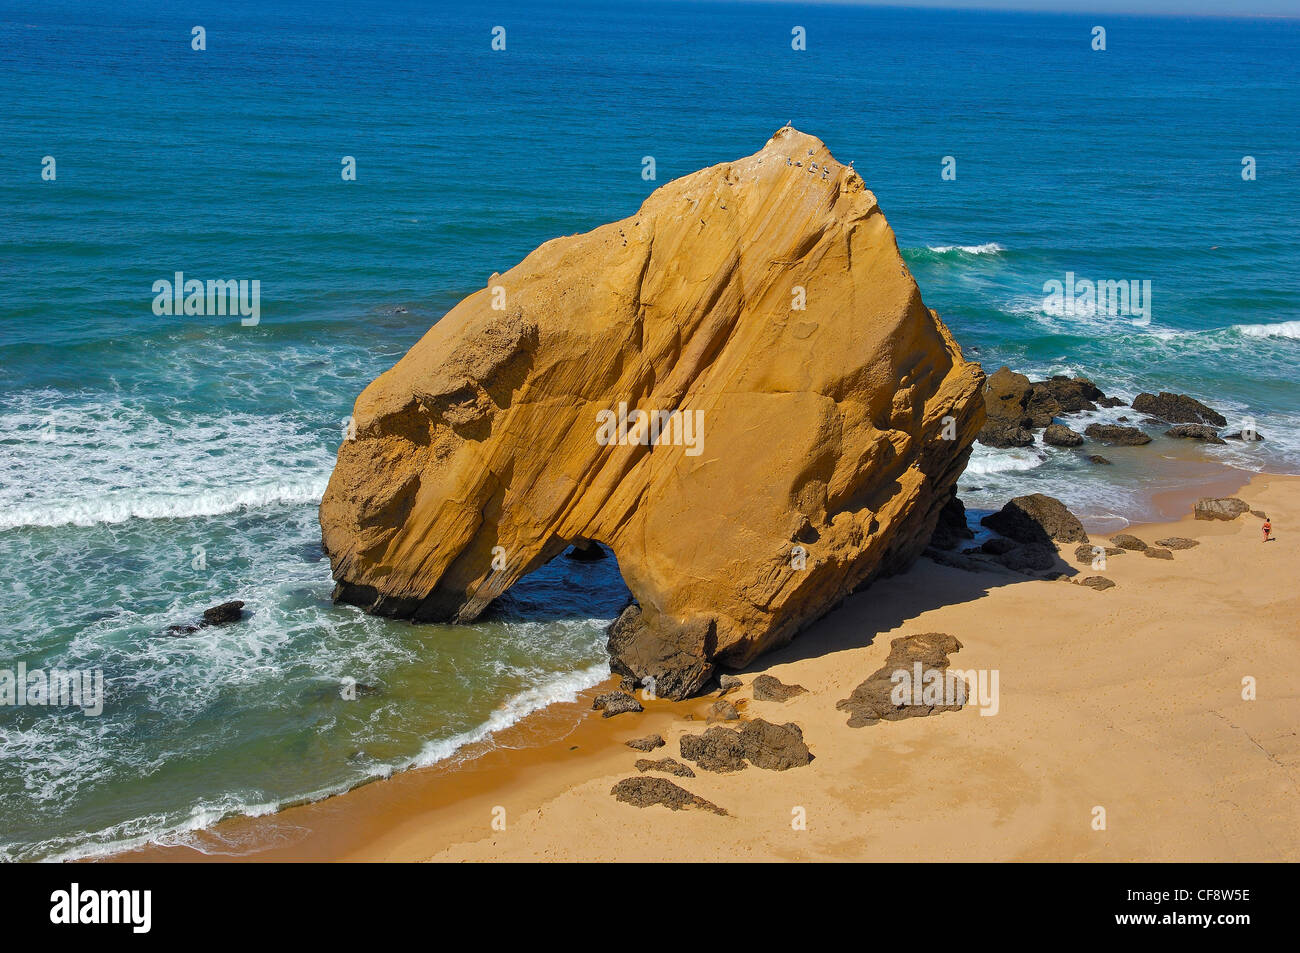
561, 760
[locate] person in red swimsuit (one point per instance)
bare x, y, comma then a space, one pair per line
1268, 528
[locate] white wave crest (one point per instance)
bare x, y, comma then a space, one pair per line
988, 248
104, 460
1284, 329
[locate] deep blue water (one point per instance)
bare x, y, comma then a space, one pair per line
128, 438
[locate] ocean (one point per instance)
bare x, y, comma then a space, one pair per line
152, 465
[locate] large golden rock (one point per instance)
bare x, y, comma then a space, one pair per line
737, 389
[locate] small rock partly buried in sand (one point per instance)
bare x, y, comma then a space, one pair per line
770, 689
1195, 432
665, 766
728, 683
1098, 582
1087, 552
1059, 435
1129, 542
1222, 508
1155, 553
1120, 436
1177, 542
873, 701
761, 743
644, 792
616, 703
722, 710
648, 743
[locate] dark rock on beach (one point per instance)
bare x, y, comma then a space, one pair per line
722, 710
1099, 459
676, 674
1086, 552
729, 683
1223, 508
871, 701
645, 792
718, 750
1100, 583
1177, 409
1037, 519
770, 689
615, 703
774, 747
1154, 552
1129, 542
761, 743
665, 766
1177, 542
1115, 434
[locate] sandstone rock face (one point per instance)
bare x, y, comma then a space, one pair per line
811, 414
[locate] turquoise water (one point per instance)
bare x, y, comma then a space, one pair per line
127, 438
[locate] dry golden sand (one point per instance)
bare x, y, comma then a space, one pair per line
1129, 699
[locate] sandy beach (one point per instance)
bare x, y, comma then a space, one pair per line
1129, 699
